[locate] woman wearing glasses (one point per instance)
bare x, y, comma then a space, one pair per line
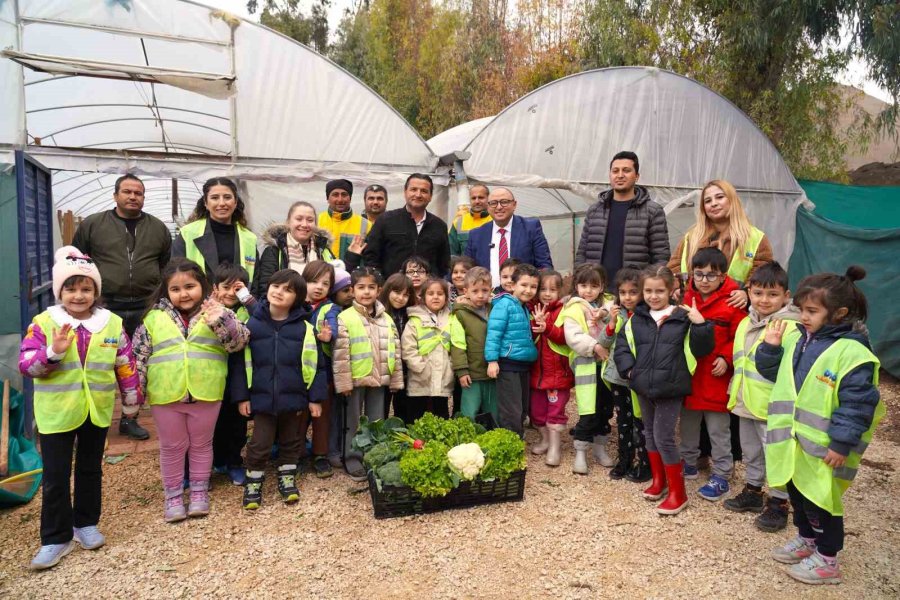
723, 224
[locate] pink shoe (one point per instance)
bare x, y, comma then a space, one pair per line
199, 506
815, 570
174, 506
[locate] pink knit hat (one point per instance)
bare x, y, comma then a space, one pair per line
71, 261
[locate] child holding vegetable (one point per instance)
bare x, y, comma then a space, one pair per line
426, 352
365, 362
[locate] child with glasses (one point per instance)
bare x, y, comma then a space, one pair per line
417, 269
710, 288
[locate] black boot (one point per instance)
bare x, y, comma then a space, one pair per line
287, 483
749, 499
775, 517
640, 470
252, 491
623, 464
130, 428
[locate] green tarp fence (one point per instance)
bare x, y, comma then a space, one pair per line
23, 458
856, 225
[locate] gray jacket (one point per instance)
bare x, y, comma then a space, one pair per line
646, 232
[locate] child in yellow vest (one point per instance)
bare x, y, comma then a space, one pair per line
426, 352
366, 360
78, 354
824, 407
182, 350
749, 394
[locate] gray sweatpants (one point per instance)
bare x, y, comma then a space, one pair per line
753, 448
718, 424
367, 401
660, 417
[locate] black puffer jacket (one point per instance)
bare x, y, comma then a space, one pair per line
646, 232
660, 368
275, 256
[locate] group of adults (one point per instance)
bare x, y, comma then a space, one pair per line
625, 227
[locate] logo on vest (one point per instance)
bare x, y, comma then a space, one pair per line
110, 342
749, 254
828, 378
249, 259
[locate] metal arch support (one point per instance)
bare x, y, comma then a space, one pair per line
121, 31
187, 110
156, 144
104, 121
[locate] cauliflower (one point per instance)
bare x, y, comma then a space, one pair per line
466, 460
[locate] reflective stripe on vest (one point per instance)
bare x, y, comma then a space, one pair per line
361, 356
755, 390
457, 333
583, 367
320, 320
67, 396
797, 430
429, 337
741, 263
309, 359
246, 245
177, 366
243, 315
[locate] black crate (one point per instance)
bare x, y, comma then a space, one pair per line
402, 501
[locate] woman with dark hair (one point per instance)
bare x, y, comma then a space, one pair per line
216, 231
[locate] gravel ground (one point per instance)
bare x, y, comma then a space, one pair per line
572, 537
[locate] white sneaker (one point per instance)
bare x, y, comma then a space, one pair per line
88, 537
49, 555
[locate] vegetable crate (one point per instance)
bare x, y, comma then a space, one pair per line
392, 501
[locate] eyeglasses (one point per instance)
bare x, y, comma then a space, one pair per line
706, 276
416, 271
504, 203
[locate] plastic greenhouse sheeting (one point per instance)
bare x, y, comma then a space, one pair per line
856, 225
561, 137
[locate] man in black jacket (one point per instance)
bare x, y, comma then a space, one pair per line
624, 227
129, 247
409, 231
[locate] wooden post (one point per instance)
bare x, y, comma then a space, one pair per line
4, 432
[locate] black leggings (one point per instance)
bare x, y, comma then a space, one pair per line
598, 423
816, 523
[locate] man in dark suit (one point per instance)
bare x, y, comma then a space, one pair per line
508, 236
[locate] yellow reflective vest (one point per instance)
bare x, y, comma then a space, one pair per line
343, 227
361, 355
177, 365
72, 392
584, 367
429, 337
462, 225
754, 389
246, 242
320, 320
797, 429
741, 263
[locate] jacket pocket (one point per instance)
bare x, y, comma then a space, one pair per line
509, 349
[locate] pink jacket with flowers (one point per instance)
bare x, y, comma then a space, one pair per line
36, 358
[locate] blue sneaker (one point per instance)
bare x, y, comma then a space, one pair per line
88, 537
714, 489
50, 554
691, 472
238, 475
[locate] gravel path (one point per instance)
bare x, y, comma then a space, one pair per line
572, 537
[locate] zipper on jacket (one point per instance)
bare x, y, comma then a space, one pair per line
129, 252
275, 373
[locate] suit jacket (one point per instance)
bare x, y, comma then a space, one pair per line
526, 243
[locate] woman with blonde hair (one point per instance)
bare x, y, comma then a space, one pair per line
723, 224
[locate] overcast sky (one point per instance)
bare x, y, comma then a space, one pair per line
855, 75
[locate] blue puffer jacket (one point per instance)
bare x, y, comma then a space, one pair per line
858, 395
509, 331
275, 347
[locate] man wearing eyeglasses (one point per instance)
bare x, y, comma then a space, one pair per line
130, 248
508, 236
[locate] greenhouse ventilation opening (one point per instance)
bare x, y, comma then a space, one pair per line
552, 147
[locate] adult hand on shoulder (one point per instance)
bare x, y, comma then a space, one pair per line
61, 339
738, 299
465, 381
493, 369
694, 314
775, 332
720, 367
834, 460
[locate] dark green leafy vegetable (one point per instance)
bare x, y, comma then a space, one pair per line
382, 453
389, 474
370, 433
504, 453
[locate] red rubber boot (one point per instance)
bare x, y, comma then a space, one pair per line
677, 500
657, 489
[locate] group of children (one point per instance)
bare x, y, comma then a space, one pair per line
325, 347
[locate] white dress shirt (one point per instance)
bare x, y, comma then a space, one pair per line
495, 250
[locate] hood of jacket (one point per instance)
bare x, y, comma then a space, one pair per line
851, 331
426, 315
276, 235
643, 309
298, 313
787, 312
641, 195
468, 308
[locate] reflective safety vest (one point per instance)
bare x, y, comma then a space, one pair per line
246, 242
361, 355
688, 356
467, 221
197, 365
584, 367
320, 320
309, 359
755, 390
457, 333
64, 398
243, 315
343, 227
635, 405
429, 337
797, 430
741, 263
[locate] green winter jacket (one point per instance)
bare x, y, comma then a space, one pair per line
467, 357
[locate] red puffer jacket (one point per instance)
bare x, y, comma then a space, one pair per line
709, 392
551, 370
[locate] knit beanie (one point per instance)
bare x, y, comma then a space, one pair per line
71, 261
338, 184
341, 280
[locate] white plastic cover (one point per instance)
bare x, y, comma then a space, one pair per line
563, 135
